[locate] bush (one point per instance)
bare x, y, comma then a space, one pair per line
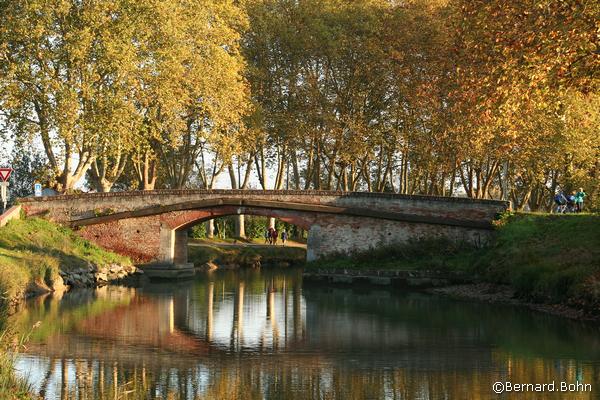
198, 231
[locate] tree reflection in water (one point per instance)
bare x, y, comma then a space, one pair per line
256, 335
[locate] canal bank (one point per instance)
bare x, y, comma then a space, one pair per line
38, 257
541, 259
546, 262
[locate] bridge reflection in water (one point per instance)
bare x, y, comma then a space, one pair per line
254, 335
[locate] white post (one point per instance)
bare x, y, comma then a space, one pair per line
4, 195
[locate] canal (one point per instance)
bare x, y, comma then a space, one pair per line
263, 334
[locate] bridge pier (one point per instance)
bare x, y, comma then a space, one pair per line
166, 250
181, 247
173, 245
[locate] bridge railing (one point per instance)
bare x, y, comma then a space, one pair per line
254, 192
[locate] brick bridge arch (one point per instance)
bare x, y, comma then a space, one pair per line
152, 225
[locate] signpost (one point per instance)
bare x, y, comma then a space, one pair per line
37, 189
4, 176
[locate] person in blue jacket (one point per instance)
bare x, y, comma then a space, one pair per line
561, 202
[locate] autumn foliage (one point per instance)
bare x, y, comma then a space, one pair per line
482, 98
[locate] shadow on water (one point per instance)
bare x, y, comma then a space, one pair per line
437, 319
263, 334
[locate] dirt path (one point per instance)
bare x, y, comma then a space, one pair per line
204, 243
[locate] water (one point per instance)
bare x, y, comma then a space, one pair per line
265, 335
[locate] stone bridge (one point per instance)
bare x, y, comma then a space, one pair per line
152, 225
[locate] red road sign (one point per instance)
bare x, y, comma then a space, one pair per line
5, 174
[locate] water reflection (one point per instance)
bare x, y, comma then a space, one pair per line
262, 335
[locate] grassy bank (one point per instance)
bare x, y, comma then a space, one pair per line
11, 386
544, 258
223, 254
32, 251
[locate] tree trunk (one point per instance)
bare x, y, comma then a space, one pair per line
146, 171
296, 170
239, 222
261, 171
247, 174
210, 228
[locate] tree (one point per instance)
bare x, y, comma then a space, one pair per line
64, 68
193, 93
523, 70
347, 91
29, 167
102, 82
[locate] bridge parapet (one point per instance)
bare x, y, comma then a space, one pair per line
149, 225
72, 207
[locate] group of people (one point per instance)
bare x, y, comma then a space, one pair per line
569, 203
271, 236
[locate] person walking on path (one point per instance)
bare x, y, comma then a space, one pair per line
267, 236
579, 196
284, 236
561, 202
274, 236
571, 202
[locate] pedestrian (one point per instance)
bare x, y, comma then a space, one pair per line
270, 235
284, 237
579, 196
561, 202
571, 202
275, 234
267, 236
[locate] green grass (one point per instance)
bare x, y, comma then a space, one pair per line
545, 258
422, 254
11, 386
244, 255
33, 250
